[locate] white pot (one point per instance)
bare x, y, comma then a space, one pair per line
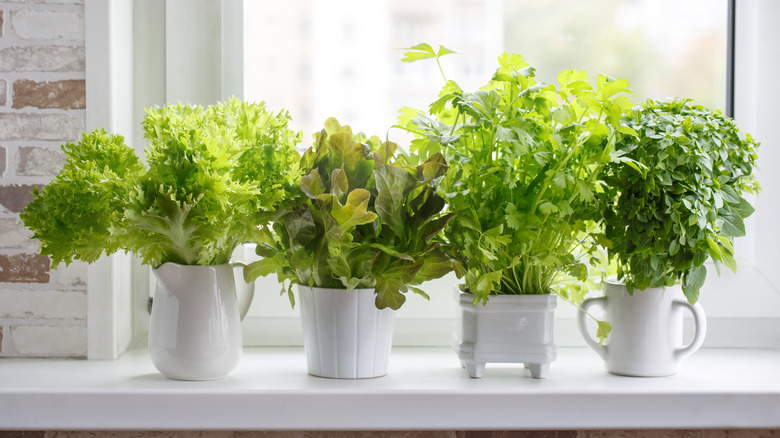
345, 336
195, 329
647, 330
507, 329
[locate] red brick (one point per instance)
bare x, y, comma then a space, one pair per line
15, 197
1, 339
24, 268
68, 94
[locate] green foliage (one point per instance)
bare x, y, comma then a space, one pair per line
425, 51
214, 176
524, 163
362, 219
676, 195
73, 217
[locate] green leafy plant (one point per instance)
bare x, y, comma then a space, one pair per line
363, 218
214, 176
524, 172
677, 197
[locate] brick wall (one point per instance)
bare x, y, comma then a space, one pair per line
42, 100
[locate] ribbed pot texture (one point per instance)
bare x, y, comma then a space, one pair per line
345, 336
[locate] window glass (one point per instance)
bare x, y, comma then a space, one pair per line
342, 58
663, 47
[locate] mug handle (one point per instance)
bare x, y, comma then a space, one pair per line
700, 326
586, 304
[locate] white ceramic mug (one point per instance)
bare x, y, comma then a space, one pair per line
647, 330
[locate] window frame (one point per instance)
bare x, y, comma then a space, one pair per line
118, 318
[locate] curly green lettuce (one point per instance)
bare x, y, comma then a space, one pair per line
74, 216
215, 175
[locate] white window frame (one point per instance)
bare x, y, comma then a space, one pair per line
127, 63
141, 53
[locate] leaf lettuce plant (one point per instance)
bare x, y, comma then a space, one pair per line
363, 218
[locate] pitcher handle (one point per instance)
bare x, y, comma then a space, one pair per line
700, 327
601, 350
245, 292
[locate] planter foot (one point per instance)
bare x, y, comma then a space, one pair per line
475, 369
538, 370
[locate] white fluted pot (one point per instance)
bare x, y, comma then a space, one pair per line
195, 328
345, 336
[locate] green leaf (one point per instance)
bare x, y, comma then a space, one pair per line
346, 151
392, 185
419, 292
744, 209
262, 268
608, 87
434, 167
733, 225
339, 186
547, 208
424, 51
433, 227
384, 152
418, 52
339, 266
312, 185
354, 212
389, 293
693, 280
444, 51
604, 328
487, 283
513, 217
437, 264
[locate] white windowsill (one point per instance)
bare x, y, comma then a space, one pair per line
426, 389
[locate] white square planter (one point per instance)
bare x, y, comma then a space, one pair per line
508, 329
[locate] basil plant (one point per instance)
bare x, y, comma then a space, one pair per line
678, 196
362, 218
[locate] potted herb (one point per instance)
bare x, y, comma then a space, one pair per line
524, 159
362, 231
676, 199
213, 176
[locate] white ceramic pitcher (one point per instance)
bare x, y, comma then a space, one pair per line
195, 329
647, 330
